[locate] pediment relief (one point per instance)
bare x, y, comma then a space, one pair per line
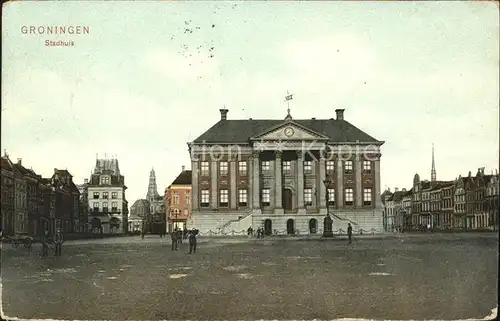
290, 131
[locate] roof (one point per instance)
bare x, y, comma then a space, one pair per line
184, 178
240, 130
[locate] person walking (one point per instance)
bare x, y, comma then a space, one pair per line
349, 232
45, 245
192, 241
58, 241
173, 235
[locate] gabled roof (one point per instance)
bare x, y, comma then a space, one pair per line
184, 178
240, 130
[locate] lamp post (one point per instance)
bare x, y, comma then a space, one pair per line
327, 222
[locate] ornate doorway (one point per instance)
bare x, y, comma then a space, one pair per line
287, 199
268, 227
290, 227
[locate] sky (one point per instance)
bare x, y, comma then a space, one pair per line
151, 76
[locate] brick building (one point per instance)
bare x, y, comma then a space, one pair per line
178, 202
276, 174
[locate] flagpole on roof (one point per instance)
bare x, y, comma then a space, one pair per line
288, 97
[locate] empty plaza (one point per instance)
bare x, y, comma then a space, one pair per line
423, 276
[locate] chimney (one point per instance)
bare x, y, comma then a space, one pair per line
396, 189
183, 167
85, 181
340, 114
223, 114
20, 161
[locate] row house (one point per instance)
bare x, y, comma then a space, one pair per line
406, 210
491, 201
32, 204
107, 204
178, 201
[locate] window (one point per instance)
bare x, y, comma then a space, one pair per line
307, 167
205, 198
105, 207
367, 166
185, 212
114, 206
266, 166
176, 199
348, 167
188, 198
114, 195
105, 180
223, 198
349, 196
287, 167
105, 195
367, 196
331, 196
204, 169
96, 195
223, 168
242, 197
330, 166
242, 168
308, 197
266, 197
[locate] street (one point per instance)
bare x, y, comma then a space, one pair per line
428, 276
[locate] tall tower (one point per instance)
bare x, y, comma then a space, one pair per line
152, 190
433, 169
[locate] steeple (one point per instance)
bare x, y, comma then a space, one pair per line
152, 188
433, 169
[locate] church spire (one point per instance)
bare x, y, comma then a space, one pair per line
433, 169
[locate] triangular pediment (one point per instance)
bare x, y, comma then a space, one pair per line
289, 130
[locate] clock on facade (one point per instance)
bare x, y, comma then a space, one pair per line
289, 131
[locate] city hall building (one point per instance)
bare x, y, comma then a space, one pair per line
284, 176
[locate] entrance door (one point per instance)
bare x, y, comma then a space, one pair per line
268, 227
290, 228
313, 226
287, 199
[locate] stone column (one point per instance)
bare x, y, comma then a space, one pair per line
358, 193
300, 183
232, 184
278, 199
213, 177
250, 182
256, 179
322, 187
376, 185
339, 190
195, 190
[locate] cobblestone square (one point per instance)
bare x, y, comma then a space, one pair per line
432, 276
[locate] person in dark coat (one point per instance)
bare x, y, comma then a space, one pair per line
174, 240
45, 244
349, 231
192, 241
58, 241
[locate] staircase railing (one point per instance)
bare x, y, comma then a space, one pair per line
235, 220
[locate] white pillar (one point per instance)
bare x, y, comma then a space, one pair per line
340, 183
300, 183
359, 191
213, 191
376, 192
322, 187
232, 183
250, 182
256, 179
194, 184
278, 199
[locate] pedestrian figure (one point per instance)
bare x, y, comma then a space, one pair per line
179, 236
45, 245
192, 241
174, 240
142, 235
349, 232
58, 241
